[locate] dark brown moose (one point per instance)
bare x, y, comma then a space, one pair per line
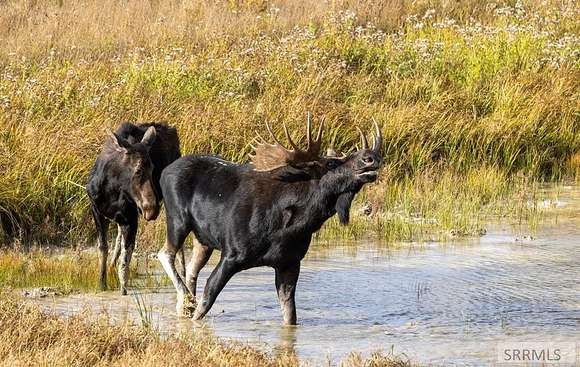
258, 214
124, 182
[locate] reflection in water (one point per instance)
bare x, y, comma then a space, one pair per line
440, 303
287, 340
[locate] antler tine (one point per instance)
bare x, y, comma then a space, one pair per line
259, 139
294, 146
272, 135
314, 146
363, 139
320, 128
308, 135
378, 137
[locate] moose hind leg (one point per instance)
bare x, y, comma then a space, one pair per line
180, 257
286, 279
167, 254
199, 258
101, 225
128, 233
220, 275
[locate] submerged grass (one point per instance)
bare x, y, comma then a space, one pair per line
31, 337
471, 96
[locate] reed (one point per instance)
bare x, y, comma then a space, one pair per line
458, 88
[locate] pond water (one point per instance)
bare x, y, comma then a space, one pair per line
435, 303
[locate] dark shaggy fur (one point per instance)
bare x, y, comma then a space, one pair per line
126, 172
254, 218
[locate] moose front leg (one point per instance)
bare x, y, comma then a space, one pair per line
101, 225
199, 258
128, 233
286, 279
117, 249
220, 275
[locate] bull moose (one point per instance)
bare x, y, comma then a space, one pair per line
124, 182
258, 214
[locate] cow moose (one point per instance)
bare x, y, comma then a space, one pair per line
124, 182
258, 214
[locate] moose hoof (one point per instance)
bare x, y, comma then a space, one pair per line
185, 307
198, 314
185, 311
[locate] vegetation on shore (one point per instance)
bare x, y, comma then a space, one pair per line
63, 271
31, 337
476, 100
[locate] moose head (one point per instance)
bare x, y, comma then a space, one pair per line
136, 164
345, 174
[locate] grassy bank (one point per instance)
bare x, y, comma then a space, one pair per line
31, 337
473, 99
66, 271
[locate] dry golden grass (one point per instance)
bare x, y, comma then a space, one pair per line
458, 87
29, 27
30, 337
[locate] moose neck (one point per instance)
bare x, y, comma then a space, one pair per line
120, 171
333, 193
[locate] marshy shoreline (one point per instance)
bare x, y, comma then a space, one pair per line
43, 338
407, 312
477, 103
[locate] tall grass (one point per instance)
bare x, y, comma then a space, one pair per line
458, 87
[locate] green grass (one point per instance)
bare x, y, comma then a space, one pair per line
65, 272
457, 89
440, 206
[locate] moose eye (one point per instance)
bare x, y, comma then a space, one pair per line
331, 164
368, 160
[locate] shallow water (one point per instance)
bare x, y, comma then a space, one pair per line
436, 303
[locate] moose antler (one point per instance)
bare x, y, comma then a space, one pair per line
268, 157
377, 138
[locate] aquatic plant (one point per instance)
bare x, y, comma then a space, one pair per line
145, 310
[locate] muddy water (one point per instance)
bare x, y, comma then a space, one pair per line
436, 303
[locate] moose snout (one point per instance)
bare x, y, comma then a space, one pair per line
150, 211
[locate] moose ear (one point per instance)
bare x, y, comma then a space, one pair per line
149, 137
121, 145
